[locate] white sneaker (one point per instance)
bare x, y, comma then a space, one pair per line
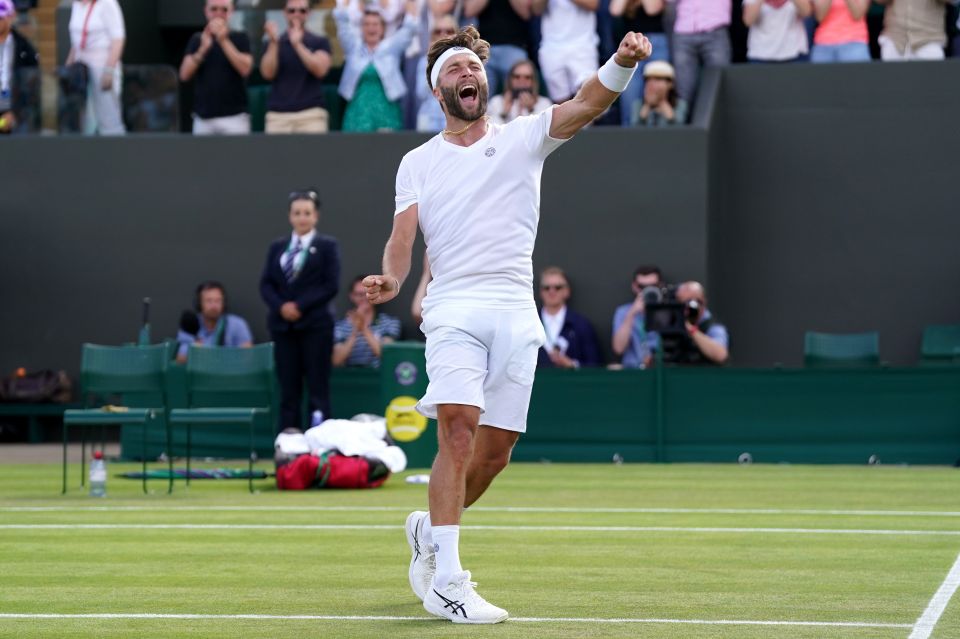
423, 563
460, 603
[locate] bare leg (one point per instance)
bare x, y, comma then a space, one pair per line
457, 426
491, 454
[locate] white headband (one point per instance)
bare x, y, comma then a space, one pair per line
446, 55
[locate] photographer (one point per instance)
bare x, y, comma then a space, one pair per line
521, 96
702, 340
630, 339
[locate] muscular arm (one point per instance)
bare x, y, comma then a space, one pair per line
804, 8
396, 258
317, 62
593, 98
270, 60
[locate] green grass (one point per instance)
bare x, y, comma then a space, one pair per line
659, 568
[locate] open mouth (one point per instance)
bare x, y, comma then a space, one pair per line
468, 94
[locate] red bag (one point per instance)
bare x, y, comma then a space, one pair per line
299, 474
328, 471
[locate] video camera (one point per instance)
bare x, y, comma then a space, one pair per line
665, 315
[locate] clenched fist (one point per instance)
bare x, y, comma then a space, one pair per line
633, 48
381, 288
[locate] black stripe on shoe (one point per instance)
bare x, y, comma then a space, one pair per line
456, 607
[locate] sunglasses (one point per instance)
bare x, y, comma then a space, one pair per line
552, 287
300, 10
218, 9
444, 32
517, 76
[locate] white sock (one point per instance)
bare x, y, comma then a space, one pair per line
446, 542
426, 530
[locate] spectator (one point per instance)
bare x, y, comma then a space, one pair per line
521, 95
571, 341
646, 17
220, 60
630, 339
299, 281
358, 337
372, 82
661, 104
18, 60
706, 341
210, 324
392, 11
913, 30
700, 38
97, 36
568, 44
430, 117
841, 35
777, 30
296, 64
505, 24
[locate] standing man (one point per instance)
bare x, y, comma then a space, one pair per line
296, 64
19, 73
474, 189
221, 61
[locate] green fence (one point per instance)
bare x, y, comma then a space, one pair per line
896, 415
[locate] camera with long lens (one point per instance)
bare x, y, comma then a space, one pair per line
665, 315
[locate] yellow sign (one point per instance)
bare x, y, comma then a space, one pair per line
404, 423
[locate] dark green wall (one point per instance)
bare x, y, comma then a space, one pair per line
820, 197
835, 207
91, 226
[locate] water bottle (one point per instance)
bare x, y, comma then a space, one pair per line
98, 475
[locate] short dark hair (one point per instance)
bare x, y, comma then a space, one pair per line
467, 37
648, 269
305, 194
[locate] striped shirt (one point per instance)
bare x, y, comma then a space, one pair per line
362, 355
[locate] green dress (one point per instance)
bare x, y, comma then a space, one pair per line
370, 110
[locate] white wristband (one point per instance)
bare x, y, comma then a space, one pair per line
615, 77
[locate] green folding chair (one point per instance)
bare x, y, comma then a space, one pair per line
227, 386
941, 344
120, 374
841, 350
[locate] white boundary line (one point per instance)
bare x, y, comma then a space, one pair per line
928, 620
704, 622
587, 529
490, 509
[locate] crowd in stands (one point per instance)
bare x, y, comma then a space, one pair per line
541, 52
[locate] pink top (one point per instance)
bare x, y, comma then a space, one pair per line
838, 27
699, 16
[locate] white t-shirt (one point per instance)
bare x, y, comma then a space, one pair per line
478, 209
104, 26
564, 25
778, 33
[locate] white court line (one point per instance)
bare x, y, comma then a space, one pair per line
490, 509
928, 620
587, 529
703, 622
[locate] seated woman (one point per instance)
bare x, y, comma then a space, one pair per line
372, 82
358, 337
661, 106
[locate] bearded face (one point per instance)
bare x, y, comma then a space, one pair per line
467, 99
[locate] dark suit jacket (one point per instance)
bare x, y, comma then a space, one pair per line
582, 340
313, 289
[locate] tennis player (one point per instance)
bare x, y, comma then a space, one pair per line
474, 191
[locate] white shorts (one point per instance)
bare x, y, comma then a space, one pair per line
484, 358
564, 70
